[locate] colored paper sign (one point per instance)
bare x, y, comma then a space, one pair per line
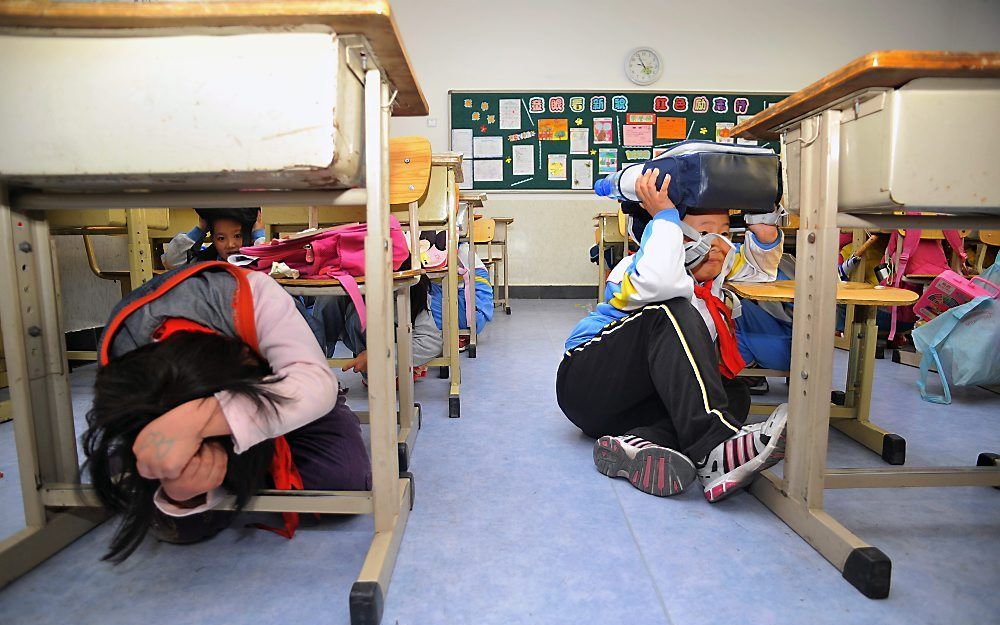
607, 160
680, 103
583, 174
722, 132
640, 118
598, 104
739, 120
510, 114
579, 140
637, 135
603, 130
475, 116
741, 106
638, 155
520, 136
661, 104
619, 103
720, 105
671, 127
461, 141
467, 103
557, 167
577, 104
553, 129
536, 105
700, 104
491, 119
557, 104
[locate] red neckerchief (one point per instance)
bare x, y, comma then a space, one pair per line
730, 361
286, 477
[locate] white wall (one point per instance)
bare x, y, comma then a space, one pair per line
711, 45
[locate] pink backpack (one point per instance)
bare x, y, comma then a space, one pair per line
337, 252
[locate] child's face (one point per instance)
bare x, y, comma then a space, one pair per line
227, 237
716, 223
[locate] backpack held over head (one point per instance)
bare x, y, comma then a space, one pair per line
705, 175
337, 252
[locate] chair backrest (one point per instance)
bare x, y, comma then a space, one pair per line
434, 206
409, 168
990, 237
483, 230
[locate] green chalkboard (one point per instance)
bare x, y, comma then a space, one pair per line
543, 141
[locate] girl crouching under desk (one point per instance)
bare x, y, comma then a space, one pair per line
642, 374
210, 380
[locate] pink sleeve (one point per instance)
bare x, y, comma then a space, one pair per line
306, 382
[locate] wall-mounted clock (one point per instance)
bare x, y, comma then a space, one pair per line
643, 66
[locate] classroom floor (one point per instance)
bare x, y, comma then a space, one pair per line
512, 524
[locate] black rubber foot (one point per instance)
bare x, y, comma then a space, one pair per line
895, 356
472, 351
987, 459
409, 476
420, 414
880, 350
869, 570
367, 603
894, 449
838, 397
443, 372
454, 407
507, 310
404, 457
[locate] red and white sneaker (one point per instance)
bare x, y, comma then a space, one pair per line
651, 468
733, 464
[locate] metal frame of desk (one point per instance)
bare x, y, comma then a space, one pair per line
797, 496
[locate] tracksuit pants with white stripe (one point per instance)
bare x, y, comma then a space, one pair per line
654, 374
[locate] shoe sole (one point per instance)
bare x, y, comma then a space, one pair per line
655, 470
744, 474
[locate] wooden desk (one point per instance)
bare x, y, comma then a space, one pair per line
826, 181
610, 229
851, 415
58, 508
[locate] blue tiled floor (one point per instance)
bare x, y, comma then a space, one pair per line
513, 525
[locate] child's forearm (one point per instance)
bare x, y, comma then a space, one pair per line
216, 424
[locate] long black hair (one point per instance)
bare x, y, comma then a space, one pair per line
246, 217
136, 388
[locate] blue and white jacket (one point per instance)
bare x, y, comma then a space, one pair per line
656, 273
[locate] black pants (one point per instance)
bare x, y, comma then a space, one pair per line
654, 374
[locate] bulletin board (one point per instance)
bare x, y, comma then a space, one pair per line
564, 141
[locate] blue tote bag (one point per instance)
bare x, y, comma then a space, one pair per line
963, 343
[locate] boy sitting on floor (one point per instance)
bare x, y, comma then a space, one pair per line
642, 373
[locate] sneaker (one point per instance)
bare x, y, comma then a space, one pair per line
733, 464
653, 469
757, 384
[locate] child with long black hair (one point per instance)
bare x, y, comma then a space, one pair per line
211, 380
230, 229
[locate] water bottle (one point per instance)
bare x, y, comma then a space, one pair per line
621, 184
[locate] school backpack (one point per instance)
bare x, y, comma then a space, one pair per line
337, 252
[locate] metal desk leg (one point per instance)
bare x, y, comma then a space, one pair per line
858, 396
470, 298
140, 256
600, 265
404, 377
798, 498
506, 275
39, 388
390, 492
449, 289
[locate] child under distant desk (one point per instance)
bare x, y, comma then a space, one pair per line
231, 229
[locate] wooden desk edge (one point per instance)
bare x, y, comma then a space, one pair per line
885, 68
904, 297
371, 18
